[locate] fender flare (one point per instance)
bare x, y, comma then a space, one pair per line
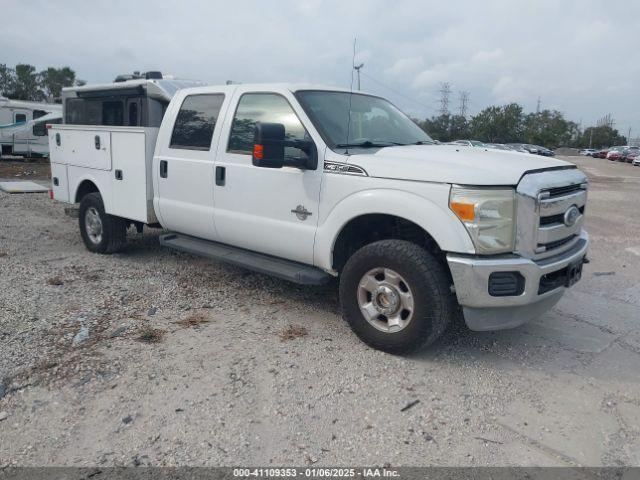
443, 226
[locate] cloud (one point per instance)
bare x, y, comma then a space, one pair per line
572, 54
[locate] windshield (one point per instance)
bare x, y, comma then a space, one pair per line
374, 121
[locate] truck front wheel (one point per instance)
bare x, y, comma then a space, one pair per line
396, 296
101, 233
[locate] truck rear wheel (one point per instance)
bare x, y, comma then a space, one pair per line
101, 233
396, 296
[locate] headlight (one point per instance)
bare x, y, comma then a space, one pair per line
488, 215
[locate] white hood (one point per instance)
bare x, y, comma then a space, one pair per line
452, 164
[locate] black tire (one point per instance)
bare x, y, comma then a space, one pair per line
435, 304
114, 229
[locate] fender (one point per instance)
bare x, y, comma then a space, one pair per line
445, 228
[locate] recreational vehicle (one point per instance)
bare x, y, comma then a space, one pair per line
23, 126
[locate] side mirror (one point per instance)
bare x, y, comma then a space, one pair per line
268, 145
269, 148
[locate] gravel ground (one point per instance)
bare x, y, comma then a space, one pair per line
151, 357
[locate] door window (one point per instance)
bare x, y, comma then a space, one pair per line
196, 122
266, 108
21, 118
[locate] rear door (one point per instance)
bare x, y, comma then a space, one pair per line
184, 166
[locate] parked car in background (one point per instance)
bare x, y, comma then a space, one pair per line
543, 151
636, 161
468, 143
602, 153
497, 146
626, 152
587, 152
518, 147
613, 155
632, 156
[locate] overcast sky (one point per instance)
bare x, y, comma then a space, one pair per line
580, 57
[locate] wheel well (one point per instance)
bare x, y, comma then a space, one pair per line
85, 188
367, 229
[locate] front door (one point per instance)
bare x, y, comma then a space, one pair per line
268, 210
184, 167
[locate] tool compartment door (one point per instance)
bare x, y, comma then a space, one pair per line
60, 182
81, 147
131, 197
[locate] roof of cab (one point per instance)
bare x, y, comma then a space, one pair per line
292, 87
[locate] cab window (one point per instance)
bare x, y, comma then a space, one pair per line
196, 122
266, 108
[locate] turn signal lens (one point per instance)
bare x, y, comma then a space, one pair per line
464, 211
258, 152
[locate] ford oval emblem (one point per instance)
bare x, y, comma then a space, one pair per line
571, 216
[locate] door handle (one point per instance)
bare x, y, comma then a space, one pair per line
118, 174
221, 176
164, 167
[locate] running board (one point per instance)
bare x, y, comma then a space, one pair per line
258, 262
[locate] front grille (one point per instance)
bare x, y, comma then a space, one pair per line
554, 219
562, 191
543, 200
557, 243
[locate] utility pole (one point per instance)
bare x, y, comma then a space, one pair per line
590, 137
464, 101
357, 69
445, 91
538, 106
629, 137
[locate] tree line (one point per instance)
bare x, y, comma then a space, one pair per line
510, 124
24, 82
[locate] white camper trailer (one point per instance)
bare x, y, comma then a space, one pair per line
23, 126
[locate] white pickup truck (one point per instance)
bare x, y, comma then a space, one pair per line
309, 183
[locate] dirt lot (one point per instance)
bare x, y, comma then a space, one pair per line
154, 357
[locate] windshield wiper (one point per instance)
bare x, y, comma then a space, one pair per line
367, 144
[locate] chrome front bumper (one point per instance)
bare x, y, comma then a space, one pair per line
483, 311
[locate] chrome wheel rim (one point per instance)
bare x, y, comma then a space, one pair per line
93, 224
385, 300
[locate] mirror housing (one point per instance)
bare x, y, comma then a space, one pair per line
268, 145
268, 148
